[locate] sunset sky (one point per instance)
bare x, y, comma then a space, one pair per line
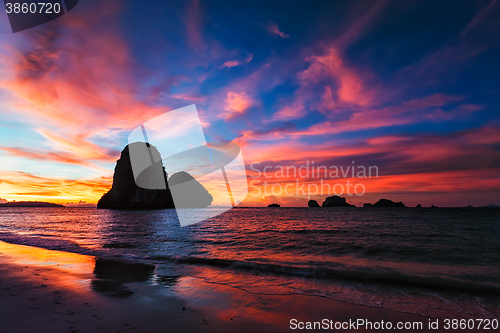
411, 87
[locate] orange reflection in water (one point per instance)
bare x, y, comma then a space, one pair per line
66, 261
226, 303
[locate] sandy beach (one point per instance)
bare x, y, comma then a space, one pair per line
54, 291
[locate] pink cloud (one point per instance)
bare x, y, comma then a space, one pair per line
349, 88
275, 31
478, 17
350, 84
296, 110
194, 23
234, 63
189, 97
413, 111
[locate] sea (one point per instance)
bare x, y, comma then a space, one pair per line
440, 262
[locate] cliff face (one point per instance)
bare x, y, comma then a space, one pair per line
125, 194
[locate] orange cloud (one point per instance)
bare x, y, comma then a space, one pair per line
236, 104
418, 168
45, 155
17, 185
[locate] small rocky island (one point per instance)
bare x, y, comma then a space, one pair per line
274, 205
384, 203
336, 201
30, 204
125, 194
313, 203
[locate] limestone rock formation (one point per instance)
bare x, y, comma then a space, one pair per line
126, 194
336, 201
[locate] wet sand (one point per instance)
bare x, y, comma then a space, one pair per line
53, 291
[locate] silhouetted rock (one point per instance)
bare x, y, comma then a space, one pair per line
274, 205
336, 201
388, 203
188, 192
491, 206
125, 194
470, 206
367, 205
419, 206
432, 206
313, 203
30, 204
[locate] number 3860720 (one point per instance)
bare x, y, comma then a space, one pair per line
32, 8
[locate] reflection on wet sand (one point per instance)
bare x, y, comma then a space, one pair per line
105, 276
54, 291
111, 275
104, 291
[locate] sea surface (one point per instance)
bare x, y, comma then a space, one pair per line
442, 262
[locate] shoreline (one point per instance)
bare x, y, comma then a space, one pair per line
55, 291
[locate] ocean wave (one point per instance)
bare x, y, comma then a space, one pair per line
367, 275
370, 275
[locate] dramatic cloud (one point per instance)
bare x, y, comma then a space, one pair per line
73, 84
347, 88
350, 87
360, 85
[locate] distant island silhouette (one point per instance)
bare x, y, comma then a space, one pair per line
336, 201
384, 203
274, 205
30, 204
126, 194
313, 203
